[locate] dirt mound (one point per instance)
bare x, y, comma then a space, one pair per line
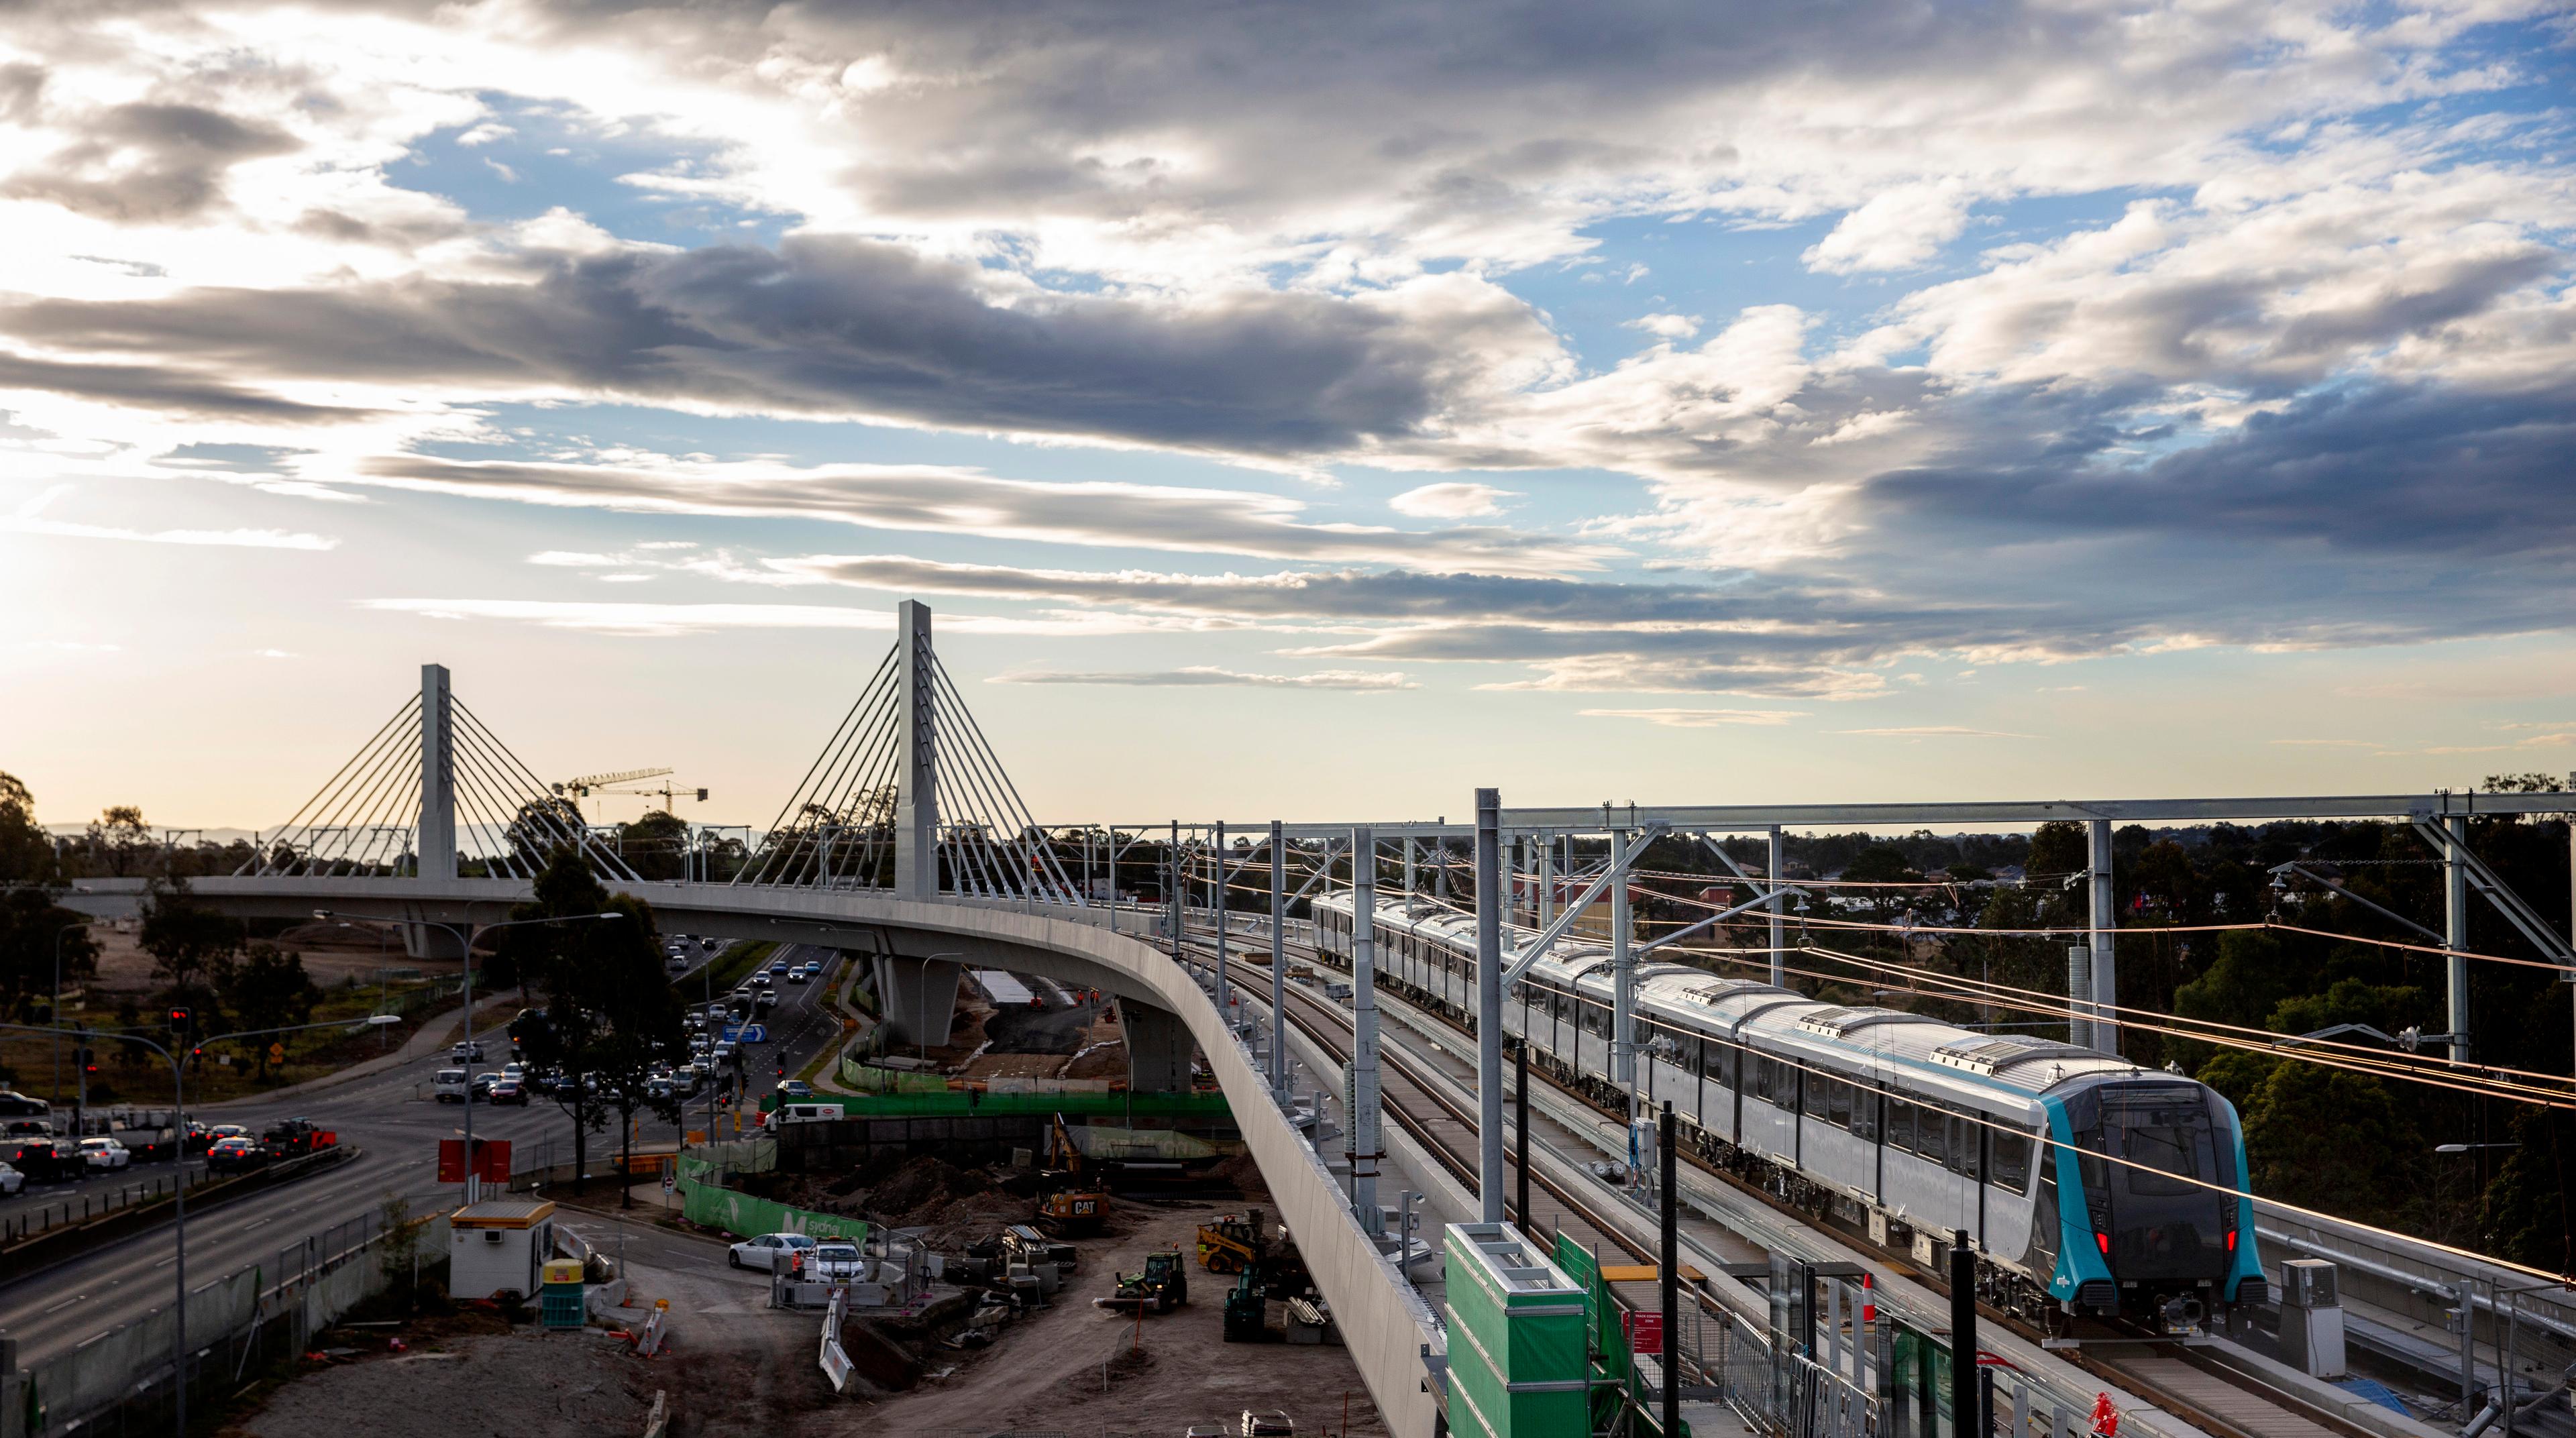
1245, 1175
922, 1183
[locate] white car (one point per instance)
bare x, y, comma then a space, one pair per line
768, 1253
106, 1155
11, 1180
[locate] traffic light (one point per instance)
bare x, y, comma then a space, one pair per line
782, 1071
88, 1059
181, 1020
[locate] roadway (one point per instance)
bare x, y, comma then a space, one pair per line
391, 1118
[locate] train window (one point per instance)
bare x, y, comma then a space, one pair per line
1838, 1103
1900, 1125
2012, 1160
1713, 1057
1819, 1093
1761, 1075
1864, 1119
1964, 1143
1785, 1083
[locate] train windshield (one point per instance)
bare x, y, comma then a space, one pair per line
2163, 1199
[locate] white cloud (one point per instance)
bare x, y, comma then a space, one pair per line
1699, 718
227, 538
573, 559
1450, 501
1897, 228
1666, 327
1937, 731
1210, 676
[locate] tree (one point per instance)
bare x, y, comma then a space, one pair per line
26, 850
1881, 864
2330, 1140
120, 838
269, 989
2058, 848
610, 1012
191, 945
31, 924
655, 846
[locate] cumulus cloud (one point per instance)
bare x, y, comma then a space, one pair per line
1207, 675
1897, 228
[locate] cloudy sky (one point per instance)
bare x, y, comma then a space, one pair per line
1314, 409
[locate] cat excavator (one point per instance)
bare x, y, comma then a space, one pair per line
1074, 1204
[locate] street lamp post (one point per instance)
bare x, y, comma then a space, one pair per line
469, 936
54, 1015
178, 1058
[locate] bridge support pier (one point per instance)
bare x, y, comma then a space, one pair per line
917, 997
1158, 1048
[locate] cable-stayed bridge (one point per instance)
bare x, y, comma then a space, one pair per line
907, 841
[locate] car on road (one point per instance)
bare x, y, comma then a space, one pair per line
508, 1091
481, 1087
42, 1160
778, 966
106, 1155
797, 976
219, 1132
235, 1155
11, 1180
794, 1088
813, 966
451, 1086
467, 1053
768, 1253
768, 1000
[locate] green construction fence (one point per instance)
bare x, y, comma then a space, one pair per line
709, 1205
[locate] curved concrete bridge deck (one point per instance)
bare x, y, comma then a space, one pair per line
920, 946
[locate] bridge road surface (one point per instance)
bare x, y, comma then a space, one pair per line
392, 1118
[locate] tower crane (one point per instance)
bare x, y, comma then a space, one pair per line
591, 784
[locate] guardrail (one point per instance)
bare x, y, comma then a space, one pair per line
60, 1244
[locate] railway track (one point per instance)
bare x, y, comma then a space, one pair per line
2219, 1399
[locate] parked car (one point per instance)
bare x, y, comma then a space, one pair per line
794, 1088
235, 1155
11, 1180
768, 1253
451, 1086
105, 1155
834, 1260
508, 1091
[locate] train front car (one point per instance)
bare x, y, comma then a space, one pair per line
2155, 1219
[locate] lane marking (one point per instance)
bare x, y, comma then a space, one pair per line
66, 1303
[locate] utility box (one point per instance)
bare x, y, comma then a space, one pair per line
2312, 1318
495, 1248
565, 1305
1518, 1364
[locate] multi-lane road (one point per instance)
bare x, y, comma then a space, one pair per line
391, 1118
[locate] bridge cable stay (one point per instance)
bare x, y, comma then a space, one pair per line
1038, 872
834, 800
539, 820
355, 813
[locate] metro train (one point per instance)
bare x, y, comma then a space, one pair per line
1894, 1123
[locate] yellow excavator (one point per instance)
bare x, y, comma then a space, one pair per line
1074, 1206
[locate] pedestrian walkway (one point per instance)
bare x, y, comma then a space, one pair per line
433, 1036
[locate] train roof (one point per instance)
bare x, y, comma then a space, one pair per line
1929, 1054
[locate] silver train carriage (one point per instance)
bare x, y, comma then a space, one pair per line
1895, 1122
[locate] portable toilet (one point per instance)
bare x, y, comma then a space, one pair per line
495, 1247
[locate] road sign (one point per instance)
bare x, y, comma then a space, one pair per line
277, 1053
